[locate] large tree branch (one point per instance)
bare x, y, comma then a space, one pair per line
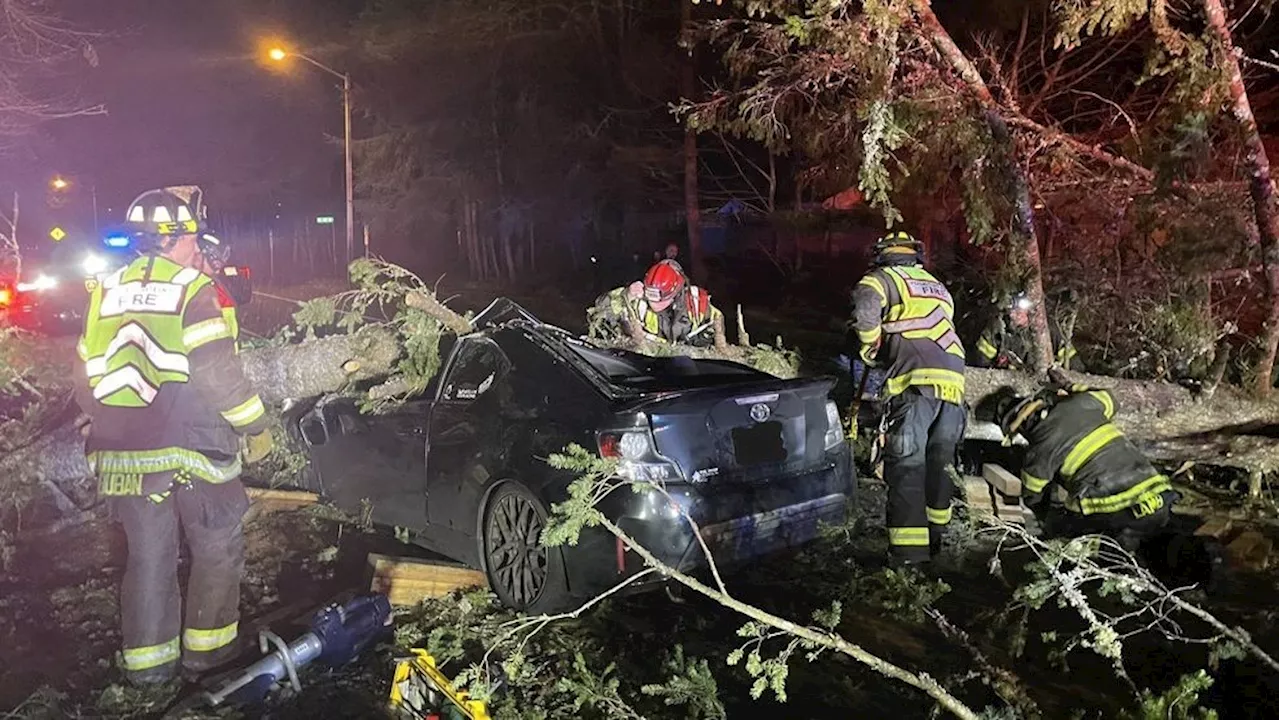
1093, 152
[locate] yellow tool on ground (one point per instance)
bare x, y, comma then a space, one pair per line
419, 691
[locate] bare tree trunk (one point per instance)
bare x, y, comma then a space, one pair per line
1261, 187
1025, 218
509, 256
533, 244
12, 251
773, 183
692, 210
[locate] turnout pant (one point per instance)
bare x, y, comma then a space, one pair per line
154, 634
1126, 526
920, 443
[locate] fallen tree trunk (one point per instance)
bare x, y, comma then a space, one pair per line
319, 366
308, 369
1227, 428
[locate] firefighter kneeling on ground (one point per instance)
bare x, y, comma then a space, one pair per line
1006, 341
903, 317
664, 307
1112, 489
172, 419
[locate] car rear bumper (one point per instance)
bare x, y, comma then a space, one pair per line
737, 523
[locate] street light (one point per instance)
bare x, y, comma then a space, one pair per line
60, 183
279, 54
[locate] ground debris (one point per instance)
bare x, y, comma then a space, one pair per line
1251, 550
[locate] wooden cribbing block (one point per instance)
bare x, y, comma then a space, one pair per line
406, 581
1217, 527
264, 500
1250, 550
978, 494
1005, 482
1010, 512
984, 500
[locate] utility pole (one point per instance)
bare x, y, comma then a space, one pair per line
346, 105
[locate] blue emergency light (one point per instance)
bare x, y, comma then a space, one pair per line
117, 241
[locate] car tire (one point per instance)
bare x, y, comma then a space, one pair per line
523, 574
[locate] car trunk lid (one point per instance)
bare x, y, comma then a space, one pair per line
744, 432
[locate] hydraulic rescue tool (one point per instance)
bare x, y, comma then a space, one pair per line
338, 634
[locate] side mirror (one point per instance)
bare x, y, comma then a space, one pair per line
238, 282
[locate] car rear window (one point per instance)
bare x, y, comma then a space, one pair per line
642, 372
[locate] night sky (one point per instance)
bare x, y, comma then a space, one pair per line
190, 99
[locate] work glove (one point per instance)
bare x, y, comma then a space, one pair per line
1058, 378
257, 447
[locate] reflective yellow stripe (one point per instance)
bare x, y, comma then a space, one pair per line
913, 537
938, 517
204, 332
896, 311
869, 337
245, 413
986, 348
1108, 405
1066, 353
1144, 492
948, 383
145, 658
82, 350
872, 282
111, 463
1088, 446
1032, 484
209, 640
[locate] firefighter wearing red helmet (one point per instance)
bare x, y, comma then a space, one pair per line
664, 307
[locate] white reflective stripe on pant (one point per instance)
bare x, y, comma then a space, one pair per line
152, 656
209, 640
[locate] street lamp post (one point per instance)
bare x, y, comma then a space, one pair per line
60, 184
279, 54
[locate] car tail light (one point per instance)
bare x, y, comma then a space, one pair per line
608, 443
636, 454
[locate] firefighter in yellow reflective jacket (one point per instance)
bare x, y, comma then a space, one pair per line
903, 317
664, 307
172, 419
1006, 340
1111, 487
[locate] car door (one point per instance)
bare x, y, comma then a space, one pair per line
372, 463
465, 444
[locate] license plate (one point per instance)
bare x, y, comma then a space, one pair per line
759, 444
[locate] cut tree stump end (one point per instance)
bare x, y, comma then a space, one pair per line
407, 581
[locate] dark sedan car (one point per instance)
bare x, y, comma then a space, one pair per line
755, 460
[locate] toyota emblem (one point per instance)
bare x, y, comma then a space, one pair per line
759, 412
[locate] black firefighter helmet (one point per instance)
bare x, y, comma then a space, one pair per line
1011, 410
897, 245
